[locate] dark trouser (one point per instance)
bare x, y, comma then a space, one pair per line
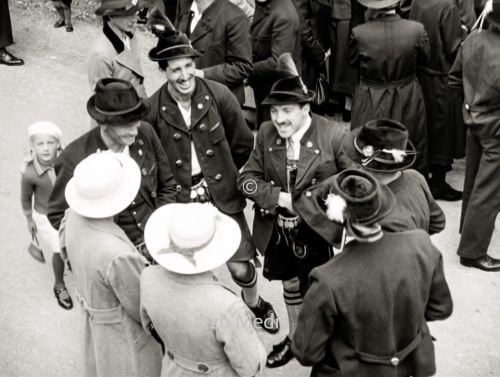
481, 202
6, 38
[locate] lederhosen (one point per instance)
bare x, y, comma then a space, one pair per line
294, 249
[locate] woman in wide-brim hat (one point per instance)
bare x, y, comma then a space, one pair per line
182, 298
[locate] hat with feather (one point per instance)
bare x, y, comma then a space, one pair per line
380, 145
289, 89
358, 200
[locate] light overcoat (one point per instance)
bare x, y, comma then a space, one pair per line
206, 328
107, 271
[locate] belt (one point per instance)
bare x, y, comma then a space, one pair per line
396, 358
196, 366
200, 193
389, 84
288, 222
101, 316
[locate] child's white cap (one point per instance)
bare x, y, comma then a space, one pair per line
45, 128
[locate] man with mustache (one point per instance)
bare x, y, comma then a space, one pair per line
204, 134
295, 151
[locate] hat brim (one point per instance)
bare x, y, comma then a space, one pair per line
101, 12
218, 251
129, 117
281, 99
111, 205
183, 52
377, 4
351, 152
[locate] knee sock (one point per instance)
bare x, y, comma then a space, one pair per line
293, 302
59, 8
249, 287
67, 15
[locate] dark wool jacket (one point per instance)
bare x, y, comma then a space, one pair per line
222, 35
157, 183
264, 176
365, 313
219, 133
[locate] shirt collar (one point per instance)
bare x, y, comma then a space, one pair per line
297, 136
39, 168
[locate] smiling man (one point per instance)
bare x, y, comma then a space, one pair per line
294, 152
204, 133
118, 111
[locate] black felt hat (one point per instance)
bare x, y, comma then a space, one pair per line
289, 89
172, 44
116, 102
356, 197
118, 7
380, 145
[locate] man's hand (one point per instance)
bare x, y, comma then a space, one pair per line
285, 201
31, 224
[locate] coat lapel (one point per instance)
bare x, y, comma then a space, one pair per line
170, 112
130, 58
261, 11
206, 23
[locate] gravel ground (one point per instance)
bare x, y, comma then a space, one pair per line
40, 339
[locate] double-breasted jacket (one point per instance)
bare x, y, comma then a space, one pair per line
220, 135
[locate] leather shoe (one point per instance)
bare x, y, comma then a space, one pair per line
446, 192
8, 59
485, 263
280, 355
59, 23
69, 28
264, 311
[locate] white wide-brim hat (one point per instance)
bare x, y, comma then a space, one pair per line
211, 237
103, 185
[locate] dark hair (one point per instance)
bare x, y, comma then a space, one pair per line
163, 64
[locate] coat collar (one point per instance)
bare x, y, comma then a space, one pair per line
205, 278
39, 168
262, 10
309, 151
207, 21
127, 58
201, 101
388, 17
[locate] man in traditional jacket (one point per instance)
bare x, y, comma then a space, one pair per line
204, 134
118, 110
367, 309
6, 38
441, 19
381, 148
476, 70
275, 30
116, 51
294, 151
107, 268
221, 32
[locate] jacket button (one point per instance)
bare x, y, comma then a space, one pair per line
144, 171
395, 361
308, 194
278, 141
153, 194
140, 141
178, 163
313, 182
140, 152
309, 144
177, 136
467, 107
178, 188
262, 210
316, 151
138, 224
270, 149
218, 177
163, 108
272, 183
170, 355
203, 368
200, 106
207, 97
266, 211
210, 152
134, 213
202, 127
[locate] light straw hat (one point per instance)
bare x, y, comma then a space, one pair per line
103, 185
191, 238
45, 128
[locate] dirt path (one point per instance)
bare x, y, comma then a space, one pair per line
40, 339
